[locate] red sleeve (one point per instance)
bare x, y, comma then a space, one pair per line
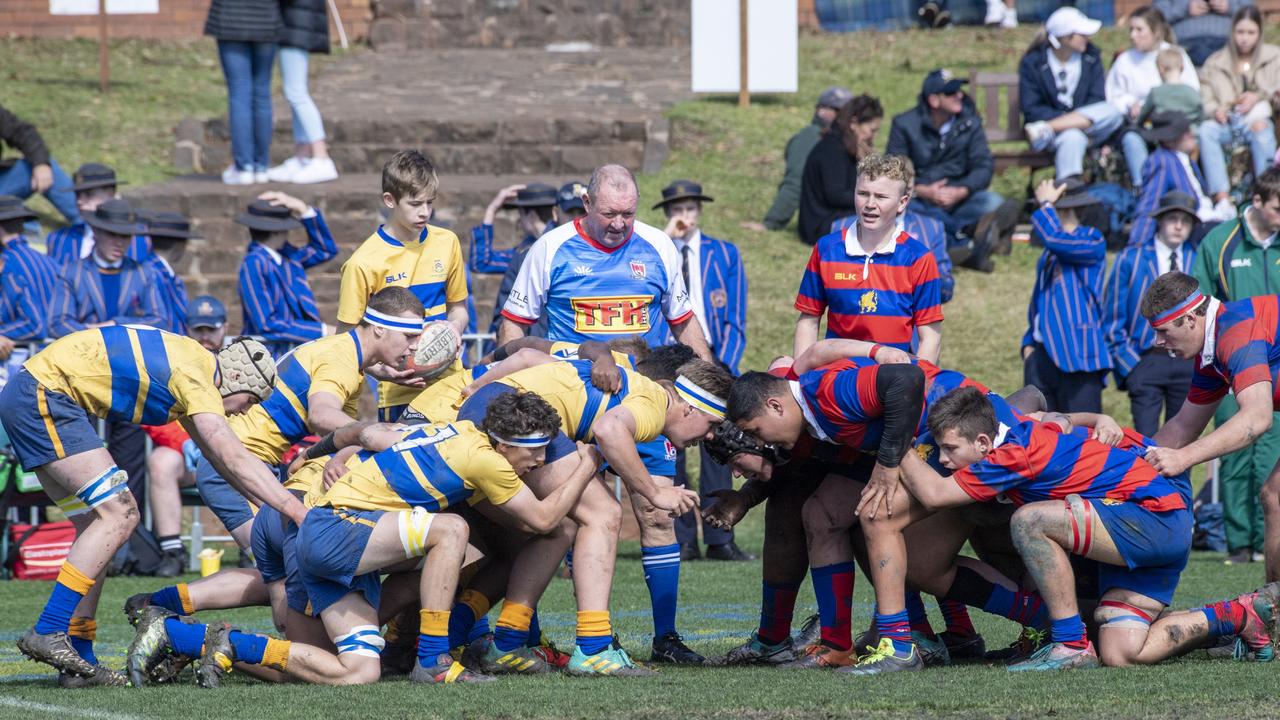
928, 295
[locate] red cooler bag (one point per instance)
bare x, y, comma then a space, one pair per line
38, 551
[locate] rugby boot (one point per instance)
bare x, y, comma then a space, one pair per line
670, 648
134, 606
149, 646
446, 671
882, 659
550, 654
755, 652
964, 648
55, 649
1256, 640
1024, 647
521, 661
933, 651
102, 676
218, 657
169, 667
1058, 656
613, 662
821, 657
398, 657
810, 632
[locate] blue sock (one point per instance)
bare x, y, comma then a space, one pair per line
84, 648
479, 628
249, 648
568, 560
535, 631
461, 621
916, 615
57, 613
1069, 631
1020, 606
662, 575
833, 588
185, 638
897, 628
430, 648
169, 599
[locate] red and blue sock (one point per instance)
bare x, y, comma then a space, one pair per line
956, 615
68, 591
777, 607
1225, 618
662, 575
833, 586
1069, 631
896, 627
916, 615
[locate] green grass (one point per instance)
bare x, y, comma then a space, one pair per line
736, 154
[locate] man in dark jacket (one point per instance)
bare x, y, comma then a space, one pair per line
787, 200
36, 171
1061, 91
945, 141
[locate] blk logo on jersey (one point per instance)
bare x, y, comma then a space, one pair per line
397, 277
638, 270
620, 315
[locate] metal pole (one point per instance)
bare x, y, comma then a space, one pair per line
103, 70
744, 95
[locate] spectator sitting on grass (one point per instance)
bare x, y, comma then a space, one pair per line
831, 170
797, 151
1202, 26
1174, 94
1170, 168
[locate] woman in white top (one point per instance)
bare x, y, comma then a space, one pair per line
1134, 74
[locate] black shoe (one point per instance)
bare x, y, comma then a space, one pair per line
980, 260
810, 632
172, 563
933, 16
670, 648
689, 551
1243, 556
728, 551
965, 648
996, 227
960, 252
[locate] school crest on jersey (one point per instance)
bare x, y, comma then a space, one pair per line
923, 451
867, 303
719, 298
669, 449
638, 269
439, 266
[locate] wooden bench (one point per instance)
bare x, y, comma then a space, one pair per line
1002, 120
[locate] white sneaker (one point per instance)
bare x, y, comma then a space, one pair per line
1224, 210
260, 177
1039, 134
995, 12
232, 176
316, 170
1010, 19
285, 171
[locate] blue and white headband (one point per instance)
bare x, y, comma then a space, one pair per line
531, 440
699, 398
394, 322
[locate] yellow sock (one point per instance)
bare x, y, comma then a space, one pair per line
515, 616
594, 623
83, 627
478, 603
276, 654
184, 594
434, 622
72, 578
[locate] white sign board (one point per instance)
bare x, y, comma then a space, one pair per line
114, 7
772, 46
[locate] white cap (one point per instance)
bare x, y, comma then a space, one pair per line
1069, 21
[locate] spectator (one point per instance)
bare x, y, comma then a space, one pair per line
279, 306
927, 230
27, 282
536, 203
169, 233
831, 170
36, 171
1237, 261
247, 32
1001, 12
171, 464
1173, 95
1201, 26
1063, 351
305, 31
1239, 82
93, 185
1134, 74
568, 208
944, 139
797, 151
716, 279
873, 281
1170, 168
1154, 379
1061, 90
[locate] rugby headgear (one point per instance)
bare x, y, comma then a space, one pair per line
731, 440
246, 366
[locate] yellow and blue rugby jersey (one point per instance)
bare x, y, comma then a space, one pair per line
440, 401
331, 364
309, 480
569, 351
131, 373
567, 387
433, 467
432, 269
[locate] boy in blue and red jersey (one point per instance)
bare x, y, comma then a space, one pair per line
1105, 503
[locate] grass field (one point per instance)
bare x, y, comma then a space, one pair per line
735, 153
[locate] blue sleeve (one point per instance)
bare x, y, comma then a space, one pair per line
149, 308
261, 314
320, 245
1117, 314
1155, 175
484, 259
27, 323
1085, 246
64, 312
1032, 100
931, 232
735, 335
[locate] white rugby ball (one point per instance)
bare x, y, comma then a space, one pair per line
437, 349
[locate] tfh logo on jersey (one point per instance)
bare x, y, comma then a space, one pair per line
620, 314
638, 270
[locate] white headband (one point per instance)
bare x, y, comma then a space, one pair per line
393, 322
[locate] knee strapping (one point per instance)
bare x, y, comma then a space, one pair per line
97, 491
1113, 613
414, 526
362, 640
1081, 514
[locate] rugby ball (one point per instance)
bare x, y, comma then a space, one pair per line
438, 347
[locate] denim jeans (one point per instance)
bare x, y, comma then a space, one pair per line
1135, 155
307, 125
247, 69
1070, 146
16, 181
962, 216
1214, 137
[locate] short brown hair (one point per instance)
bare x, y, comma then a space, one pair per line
967, 410
1267, 185
708, 376
1166, 292
894, 167
396, 301
409, 173
520, 413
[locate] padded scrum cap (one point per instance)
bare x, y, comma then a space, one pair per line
247, 366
